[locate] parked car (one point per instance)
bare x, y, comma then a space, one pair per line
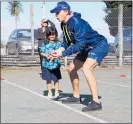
20, 42
3, 48
127, 43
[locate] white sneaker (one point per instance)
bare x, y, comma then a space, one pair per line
56, 94
50, 95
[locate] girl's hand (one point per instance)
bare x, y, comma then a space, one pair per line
56, 54
49, 56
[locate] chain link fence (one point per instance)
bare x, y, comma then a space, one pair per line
126, 28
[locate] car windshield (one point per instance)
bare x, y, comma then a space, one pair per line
26, 34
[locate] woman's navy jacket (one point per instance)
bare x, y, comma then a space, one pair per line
80, 34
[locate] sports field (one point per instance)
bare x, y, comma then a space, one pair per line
24, 100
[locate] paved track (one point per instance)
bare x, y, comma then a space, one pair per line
23, 99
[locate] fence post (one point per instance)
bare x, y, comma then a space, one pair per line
17, 50
65, 61
32, 28
120, 33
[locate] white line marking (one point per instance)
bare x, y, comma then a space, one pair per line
115, 84
79, 112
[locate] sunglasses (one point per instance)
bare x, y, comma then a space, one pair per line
45, 22
51, 34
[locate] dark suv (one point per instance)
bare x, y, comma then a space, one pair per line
127, 43
20, 42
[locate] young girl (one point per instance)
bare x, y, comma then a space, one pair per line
51, 67
41, 34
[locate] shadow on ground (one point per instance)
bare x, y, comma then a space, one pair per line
84, 97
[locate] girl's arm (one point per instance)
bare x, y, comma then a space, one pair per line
42, 50
44, 55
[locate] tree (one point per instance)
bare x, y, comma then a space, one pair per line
112, 15
15, 8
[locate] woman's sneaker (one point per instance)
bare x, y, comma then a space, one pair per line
72, 100
50, 95
92, 106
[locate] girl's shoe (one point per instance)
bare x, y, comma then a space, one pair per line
50, 95
56, 94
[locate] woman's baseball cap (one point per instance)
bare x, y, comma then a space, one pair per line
60, 6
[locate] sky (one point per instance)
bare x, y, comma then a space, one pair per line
92, 12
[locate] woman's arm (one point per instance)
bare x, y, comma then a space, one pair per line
80, 38
51, 23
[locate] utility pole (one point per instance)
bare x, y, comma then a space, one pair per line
120, 34
44, 9
32, 28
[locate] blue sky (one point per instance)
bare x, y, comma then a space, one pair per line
91, 12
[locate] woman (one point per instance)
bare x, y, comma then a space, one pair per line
90, 46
